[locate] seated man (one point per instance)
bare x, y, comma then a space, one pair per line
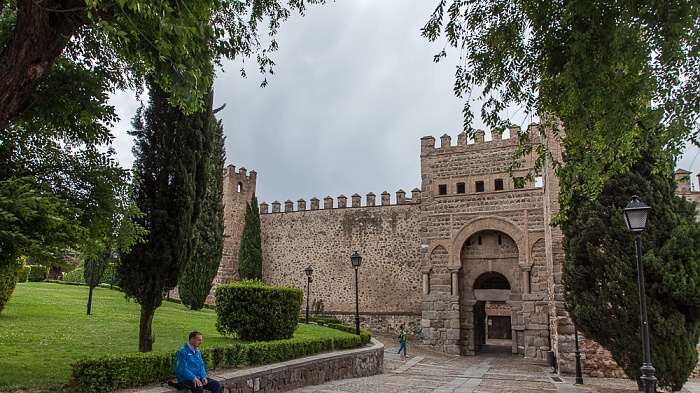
189, 367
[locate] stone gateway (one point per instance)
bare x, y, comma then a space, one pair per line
468, 257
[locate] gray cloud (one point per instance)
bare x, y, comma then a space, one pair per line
354, 90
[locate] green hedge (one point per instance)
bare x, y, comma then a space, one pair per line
257, 312
24, 274
8, 282
38, 273
108, 373
74, 276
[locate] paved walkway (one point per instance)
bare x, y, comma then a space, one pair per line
495, 369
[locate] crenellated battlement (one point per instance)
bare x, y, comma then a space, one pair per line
355, 202
428, 142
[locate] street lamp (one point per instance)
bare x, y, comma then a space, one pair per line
636, 214
309, 271
356, 260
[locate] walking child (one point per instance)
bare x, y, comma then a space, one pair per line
402, 341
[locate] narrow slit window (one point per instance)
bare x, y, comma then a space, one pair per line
479, 240
480, 186
240, 187
442, 189
500, 240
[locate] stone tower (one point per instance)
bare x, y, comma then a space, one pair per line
238, 189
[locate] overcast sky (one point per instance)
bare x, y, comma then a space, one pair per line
354, 90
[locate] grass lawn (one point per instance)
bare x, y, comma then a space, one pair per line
44, 329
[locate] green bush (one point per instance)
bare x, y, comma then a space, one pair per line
23, 275
8, 281
257, 312
108, 373
75, 276
38, 273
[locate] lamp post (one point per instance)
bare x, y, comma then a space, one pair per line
577, 355
636, 214
309, 271
356, 260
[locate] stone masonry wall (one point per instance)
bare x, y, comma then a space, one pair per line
386, 237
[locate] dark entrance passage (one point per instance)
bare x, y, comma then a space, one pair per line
492, 319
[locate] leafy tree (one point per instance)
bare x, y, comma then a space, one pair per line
600, 275
196, 280
172, 154
591, 67
123, 40
61, 188
250, 251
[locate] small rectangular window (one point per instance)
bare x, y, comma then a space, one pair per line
519, 182
442, 189
480, 186
461, 189
498, 185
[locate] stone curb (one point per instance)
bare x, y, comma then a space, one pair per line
249, 379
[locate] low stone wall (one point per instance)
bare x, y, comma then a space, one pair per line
379, 322
298, 373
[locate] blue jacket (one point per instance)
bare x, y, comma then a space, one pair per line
189, 364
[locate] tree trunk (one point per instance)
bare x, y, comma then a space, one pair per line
42, 31
146, 339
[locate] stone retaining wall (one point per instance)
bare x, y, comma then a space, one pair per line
298, 373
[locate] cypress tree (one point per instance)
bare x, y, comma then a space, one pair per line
195, 283
172, 153
600, 275
250, 251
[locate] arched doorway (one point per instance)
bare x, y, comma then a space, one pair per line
492, 316
490, 291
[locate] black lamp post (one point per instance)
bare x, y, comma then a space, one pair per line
356, 260
577, 355
309, 271
636, 214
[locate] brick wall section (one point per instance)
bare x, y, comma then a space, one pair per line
386, 237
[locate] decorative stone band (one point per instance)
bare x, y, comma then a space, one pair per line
298, 373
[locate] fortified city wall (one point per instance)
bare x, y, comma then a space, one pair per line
469, 248
324, 237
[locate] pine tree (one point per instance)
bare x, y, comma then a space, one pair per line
250, 251
195, 283
600, 275
172, 153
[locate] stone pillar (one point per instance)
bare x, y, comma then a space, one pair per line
445, 141
479, 136
462, 139
314, 203
386, 198
415, 195
264, 207
328, 202
454, 272
356, 200
400, 197
301, 205
342, 201
426, 280
288, 206
371, 199
526, 281
276, 207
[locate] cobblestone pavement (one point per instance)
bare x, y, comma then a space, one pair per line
495, 369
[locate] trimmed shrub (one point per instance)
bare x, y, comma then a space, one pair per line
8, 282
23, 275
257, 312
38, 273
108, 373
74, 276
